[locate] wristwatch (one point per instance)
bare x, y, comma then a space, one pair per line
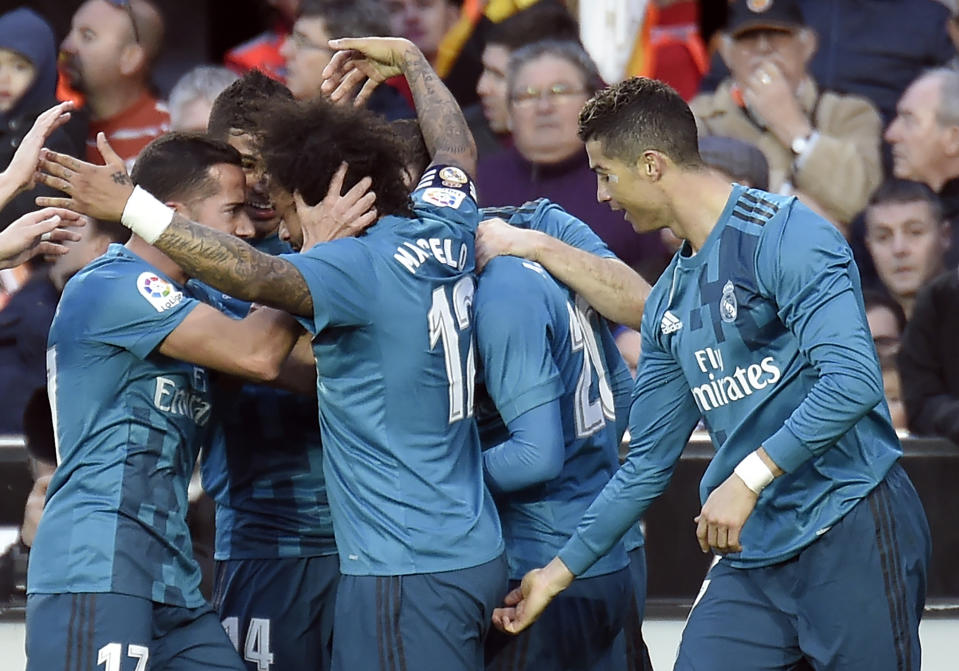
801, 144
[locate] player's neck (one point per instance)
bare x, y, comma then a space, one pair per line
698, 198
157, 259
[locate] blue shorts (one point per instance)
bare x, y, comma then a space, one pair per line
420, 621
634, 646
279, 611
581, 629
852, 600
82, 632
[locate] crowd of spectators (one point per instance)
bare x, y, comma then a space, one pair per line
852, 105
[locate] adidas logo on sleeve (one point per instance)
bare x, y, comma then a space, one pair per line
670, 323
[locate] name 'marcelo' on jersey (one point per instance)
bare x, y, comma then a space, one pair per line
393, 336
762, 332
540, 343
128, 425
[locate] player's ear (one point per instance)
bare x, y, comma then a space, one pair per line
178, 207
651, 164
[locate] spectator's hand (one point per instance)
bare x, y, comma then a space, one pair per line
769, 94
36, 233
366, 59
99, 191
34, 509
495, 237
525, 603
23, 165
337, 216
722, 518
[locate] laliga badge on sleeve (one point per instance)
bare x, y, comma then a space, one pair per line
443, 197
160, 293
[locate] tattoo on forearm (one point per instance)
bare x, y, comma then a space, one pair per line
441, 119
120, 177
234, 267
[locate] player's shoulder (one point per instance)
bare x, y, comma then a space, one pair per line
519, 283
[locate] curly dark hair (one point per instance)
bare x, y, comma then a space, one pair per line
240, 104
304, 142
638, 114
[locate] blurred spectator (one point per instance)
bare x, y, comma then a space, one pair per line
25, 321
263, 51
907, 238
423, 22
489, 119
822, 146
306, 51
886, 323
925, 142
929, 360
192, 96
548, 83
107, 57
28, 80
869, 48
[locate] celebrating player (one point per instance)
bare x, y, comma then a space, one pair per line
758, 326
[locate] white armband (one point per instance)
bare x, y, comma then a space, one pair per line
754, 472
145, 215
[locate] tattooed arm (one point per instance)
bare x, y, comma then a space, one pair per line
221, 260
444, 128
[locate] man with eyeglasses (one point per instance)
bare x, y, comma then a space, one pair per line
547, 84
107, 58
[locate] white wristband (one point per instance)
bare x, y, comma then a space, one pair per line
145, 215
754, 472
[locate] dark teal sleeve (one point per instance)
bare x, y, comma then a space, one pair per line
662, 416
533, 454
806, 267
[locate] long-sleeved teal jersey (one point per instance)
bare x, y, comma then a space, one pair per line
763, 332
129, 423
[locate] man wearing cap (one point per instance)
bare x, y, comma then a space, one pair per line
822, 146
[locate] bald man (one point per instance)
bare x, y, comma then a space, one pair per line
108, 55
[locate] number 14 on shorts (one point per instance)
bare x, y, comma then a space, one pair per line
256, 643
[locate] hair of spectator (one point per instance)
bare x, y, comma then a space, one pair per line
873, 298
38, 427
639, 114
349, 18
204, 82
149, 20
572, 52
240, 104
546, 20
416, 155
948, 112
304, 142
176, 166
906, 191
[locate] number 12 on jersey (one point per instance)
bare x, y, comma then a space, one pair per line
445, 324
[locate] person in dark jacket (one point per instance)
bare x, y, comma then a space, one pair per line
27, 42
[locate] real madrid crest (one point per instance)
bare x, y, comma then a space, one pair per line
759, 6
728, 307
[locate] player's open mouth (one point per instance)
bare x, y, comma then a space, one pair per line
260, 210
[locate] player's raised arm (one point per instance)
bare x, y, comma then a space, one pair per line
448, 138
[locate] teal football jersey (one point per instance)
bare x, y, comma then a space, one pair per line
129, 423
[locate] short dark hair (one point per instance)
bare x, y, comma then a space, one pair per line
349, 18
906, 191
545, 20
303, 143
114, 230
639, 114
176, 166
240, 104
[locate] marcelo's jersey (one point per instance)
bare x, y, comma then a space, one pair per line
129, 423
538, 343
394, 357
763, 332
264, 464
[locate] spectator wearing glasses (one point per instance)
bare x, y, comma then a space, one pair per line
907, 238
548, 83
108, 55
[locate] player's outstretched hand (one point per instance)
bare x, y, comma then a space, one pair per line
723, 516
23, 166
36, 233
100, 191
495, 237
363, 59
338, 215
525, 603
